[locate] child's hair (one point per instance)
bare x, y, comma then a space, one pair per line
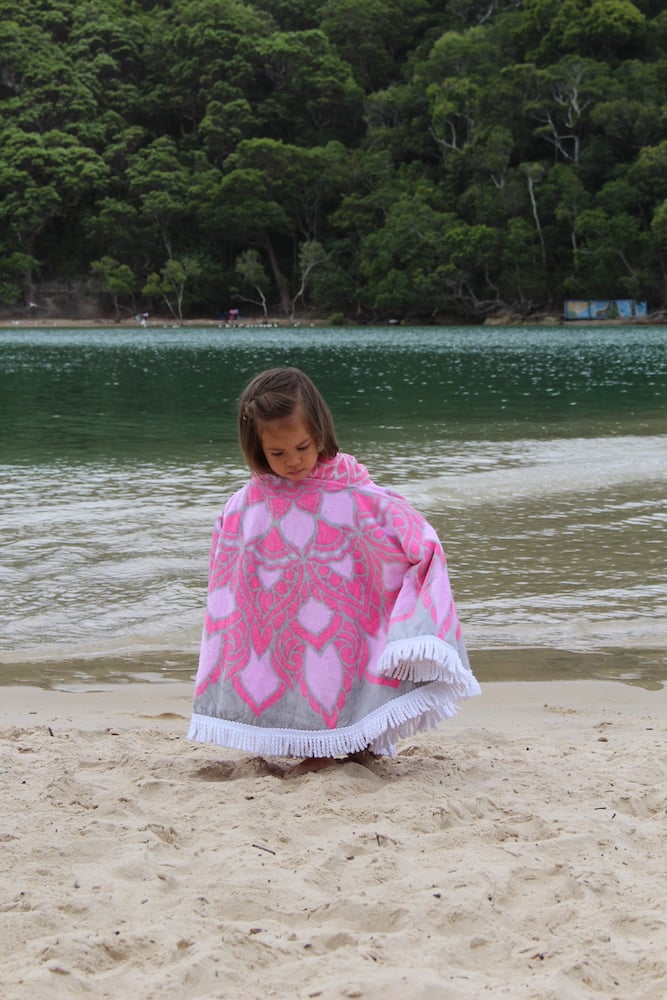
274, 395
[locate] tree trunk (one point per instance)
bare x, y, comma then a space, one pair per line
278, 275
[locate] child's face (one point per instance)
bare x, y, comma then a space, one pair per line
289, 447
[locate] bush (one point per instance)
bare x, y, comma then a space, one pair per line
337, 319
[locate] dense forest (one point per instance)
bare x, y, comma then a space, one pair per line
368, 159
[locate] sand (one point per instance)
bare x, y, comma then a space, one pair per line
518, 851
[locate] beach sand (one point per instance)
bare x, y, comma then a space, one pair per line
518, 851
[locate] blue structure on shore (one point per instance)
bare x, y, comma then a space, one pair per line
605, 309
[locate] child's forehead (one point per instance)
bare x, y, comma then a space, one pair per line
294, 425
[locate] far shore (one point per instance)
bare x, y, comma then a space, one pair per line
272, 322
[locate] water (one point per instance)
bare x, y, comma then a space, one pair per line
539, 455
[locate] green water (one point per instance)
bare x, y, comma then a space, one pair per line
538, 453
146, 393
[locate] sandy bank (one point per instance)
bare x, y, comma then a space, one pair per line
516, 852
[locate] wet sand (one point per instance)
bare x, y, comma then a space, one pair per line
641, 667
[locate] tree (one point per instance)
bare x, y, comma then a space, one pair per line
42, 178
107, 43
534, 173
116, 279
659, 234
271, 197
250, 269
568, 92
648, 173
604, 29
170, 283
424, 260
571, 199
375, 36
115, 225
311, 255
242, 210
201, 51
160, 181
455, 77
312, 96
612, 251
659, 226
226, 123
13, 269
614, 27
401, 137
521, 272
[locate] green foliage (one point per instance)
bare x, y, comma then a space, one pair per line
169, 283
375, 37
13, 269
659, 229
115, 278
368, 158
312, 97
337, 319
253, 276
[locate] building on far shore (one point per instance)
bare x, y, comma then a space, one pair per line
604, 309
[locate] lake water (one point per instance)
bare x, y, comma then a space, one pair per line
540, 455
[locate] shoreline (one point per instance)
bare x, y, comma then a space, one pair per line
517, 851
275, 322
638, 666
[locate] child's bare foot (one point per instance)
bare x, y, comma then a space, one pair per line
365, 757
311, 764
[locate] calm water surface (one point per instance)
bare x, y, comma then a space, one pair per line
539, 454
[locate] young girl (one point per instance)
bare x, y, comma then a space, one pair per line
330, 627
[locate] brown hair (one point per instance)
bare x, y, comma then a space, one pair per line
274, 395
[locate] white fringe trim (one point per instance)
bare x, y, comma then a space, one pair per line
423, 658
423, 708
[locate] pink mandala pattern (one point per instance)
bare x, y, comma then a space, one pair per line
309, 582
